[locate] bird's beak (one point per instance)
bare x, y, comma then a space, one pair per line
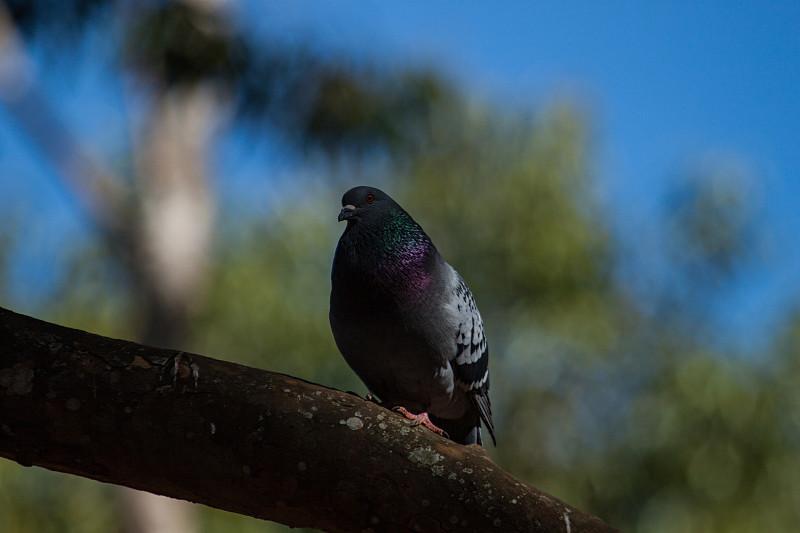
346, 212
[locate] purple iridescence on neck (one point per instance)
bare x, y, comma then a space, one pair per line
412, 267
406, 248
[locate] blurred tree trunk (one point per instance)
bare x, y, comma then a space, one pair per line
176, 220
177, 211
175, 223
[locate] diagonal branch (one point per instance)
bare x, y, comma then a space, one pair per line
248, 441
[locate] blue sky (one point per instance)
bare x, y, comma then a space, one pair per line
668, 86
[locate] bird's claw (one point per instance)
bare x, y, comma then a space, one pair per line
422, 419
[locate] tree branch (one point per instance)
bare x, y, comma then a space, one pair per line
248, 441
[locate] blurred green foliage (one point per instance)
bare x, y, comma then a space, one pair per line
633, 416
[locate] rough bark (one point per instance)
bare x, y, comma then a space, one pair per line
245, 440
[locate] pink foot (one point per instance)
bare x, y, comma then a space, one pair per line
421, 418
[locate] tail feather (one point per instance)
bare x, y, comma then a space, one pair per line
467, 429
464, 430
481, 401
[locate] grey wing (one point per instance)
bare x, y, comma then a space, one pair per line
471, 361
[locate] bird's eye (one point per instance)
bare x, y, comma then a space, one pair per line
370, 198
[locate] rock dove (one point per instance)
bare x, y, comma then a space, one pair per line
406, 322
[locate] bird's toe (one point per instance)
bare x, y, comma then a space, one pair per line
422, 419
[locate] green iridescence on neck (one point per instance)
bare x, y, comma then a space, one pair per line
401, 233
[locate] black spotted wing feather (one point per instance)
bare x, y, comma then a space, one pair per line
471, 362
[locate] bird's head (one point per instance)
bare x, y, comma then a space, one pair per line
380, 233
364, 202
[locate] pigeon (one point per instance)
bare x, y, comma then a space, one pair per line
406, 322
